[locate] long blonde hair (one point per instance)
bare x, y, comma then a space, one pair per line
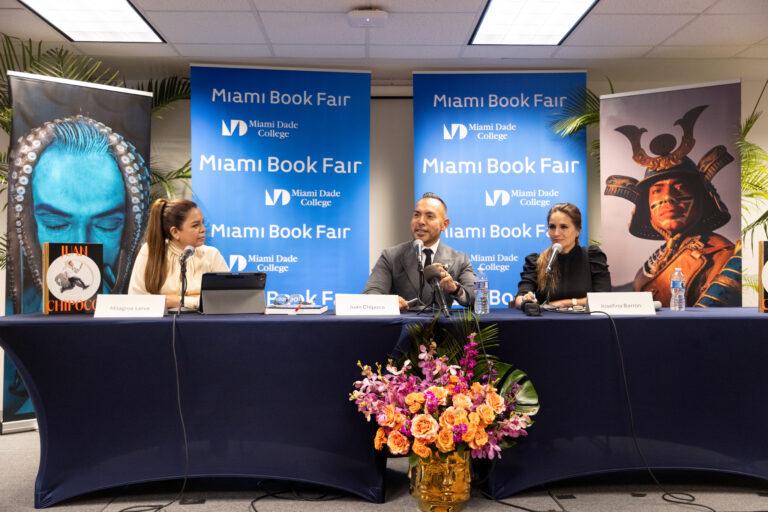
163, 215
544, 281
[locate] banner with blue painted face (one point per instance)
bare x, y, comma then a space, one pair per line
484, 142
280, 162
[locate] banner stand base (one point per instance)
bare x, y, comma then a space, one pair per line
13, 427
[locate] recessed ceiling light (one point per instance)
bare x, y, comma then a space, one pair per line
529, 22
115, 21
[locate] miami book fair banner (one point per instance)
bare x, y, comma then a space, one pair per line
671, 197
280, 163
484, 143
77, 175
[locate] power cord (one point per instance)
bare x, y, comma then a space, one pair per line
296, 494
158, 508
681, 498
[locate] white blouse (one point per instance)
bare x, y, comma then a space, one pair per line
205, 259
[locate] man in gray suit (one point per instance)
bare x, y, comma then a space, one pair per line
397, 270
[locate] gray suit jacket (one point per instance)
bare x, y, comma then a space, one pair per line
397, 273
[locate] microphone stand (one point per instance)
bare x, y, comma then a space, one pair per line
182, 308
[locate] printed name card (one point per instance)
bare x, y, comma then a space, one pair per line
358, 304
621, 303
129, 306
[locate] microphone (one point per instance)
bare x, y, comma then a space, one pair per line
556, 248
188, 252
418, 245
432, 276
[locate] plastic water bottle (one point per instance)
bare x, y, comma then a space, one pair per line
677, 287
481, 293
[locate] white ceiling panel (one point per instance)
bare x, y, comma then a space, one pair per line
430, 5
193, 5
722, 29
652, 6
601, 52
435, 29
22, 23
756, 52
222, 52
320, 51
307, 5
207, 27
739, 7
508, 52
9, 4
626, 29
127, 49
695, 52
311, 28
414, 52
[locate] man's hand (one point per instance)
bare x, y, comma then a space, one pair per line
447, 284
403, 303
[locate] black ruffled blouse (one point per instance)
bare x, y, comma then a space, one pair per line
580, 271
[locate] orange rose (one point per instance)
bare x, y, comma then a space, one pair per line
486, 413
440, 393
421, 449
444, 441
495, 402
380, 440
477, 389
469, 435
398, 444
480, 440
388, 418
414, 401
474, 418
451, 416
462, 400
424, 427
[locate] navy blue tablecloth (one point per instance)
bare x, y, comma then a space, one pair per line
266, 397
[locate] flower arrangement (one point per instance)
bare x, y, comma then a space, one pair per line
447, 394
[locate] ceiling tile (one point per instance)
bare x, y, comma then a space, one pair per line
755, 52
695, 52
137, 50
320, 51
414, 52
508, 52
437, 29
601, 52
306, 5
721, 29
739, 7
626, 29
22, 23
651, 6
208, 27
433, 6
223, 51
193, 5
311, 28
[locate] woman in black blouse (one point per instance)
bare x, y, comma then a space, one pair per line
575, 271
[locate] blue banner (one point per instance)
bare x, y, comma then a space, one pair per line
484, 143
280, 163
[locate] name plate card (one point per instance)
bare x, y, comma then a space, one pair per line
621, 303
359, 304
129, 306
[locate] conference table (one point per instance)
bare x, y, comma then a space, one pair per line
266, 397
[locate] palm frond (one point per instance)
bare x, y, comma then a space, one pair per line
62, 63
750, 282
3, 250
754, 175
581, 110
166, 91
165, 182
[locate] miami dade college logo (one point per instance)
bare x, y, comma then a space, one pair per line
493, 198
277, 196
456, 129
235, 126
237, 263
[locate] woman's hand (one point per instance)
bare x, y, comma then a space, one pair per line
529, 296
172, 301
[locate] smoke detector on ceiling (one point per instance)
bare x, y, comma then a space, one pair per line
367, 18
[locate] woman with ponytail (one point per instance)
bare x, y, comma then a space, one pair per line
173, 226
575, 270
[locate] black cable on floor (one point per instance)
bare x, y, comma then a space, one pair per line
158, 508
288, 488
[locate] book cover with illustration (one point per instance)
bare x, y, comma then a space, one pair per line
72, 277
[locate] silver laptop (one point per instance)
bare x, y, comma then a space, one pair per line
222, 293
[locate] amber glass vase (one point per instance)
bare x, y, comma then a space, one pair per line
441, 485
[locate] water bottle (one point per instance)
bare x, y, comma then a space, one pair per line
677, 287
481, 293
